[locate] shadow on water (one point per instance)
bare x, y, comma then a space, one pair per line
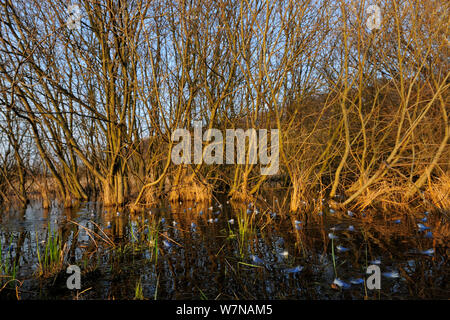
190, 251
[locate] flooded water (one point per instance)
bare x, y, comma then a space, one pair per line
190, 251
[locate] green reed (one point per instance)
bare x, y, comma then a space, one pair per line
334, 258
8, 267
245, 228
138, 292
51, 260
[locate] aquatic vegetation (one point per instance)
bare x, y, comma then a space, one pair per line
138, 293
8, 267
51, 259
140, 253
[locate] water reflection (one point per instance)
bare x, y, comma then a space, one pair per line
194, 251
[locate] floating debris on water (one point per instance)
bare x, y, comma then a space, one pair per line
297, 222
231, 221
256, 259
357, 281
392, 274
398, 221
332, 236
429, 234
167, 244
376, 261
285, 254
174, 223
342, 249
351, 228
422, 227
331, 211
428, 252
424, 219
163, 220
298, 227
350, 213
297, 269
210, 220
341, 283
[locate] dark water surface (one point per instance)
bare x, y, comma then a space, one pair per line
190, 251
